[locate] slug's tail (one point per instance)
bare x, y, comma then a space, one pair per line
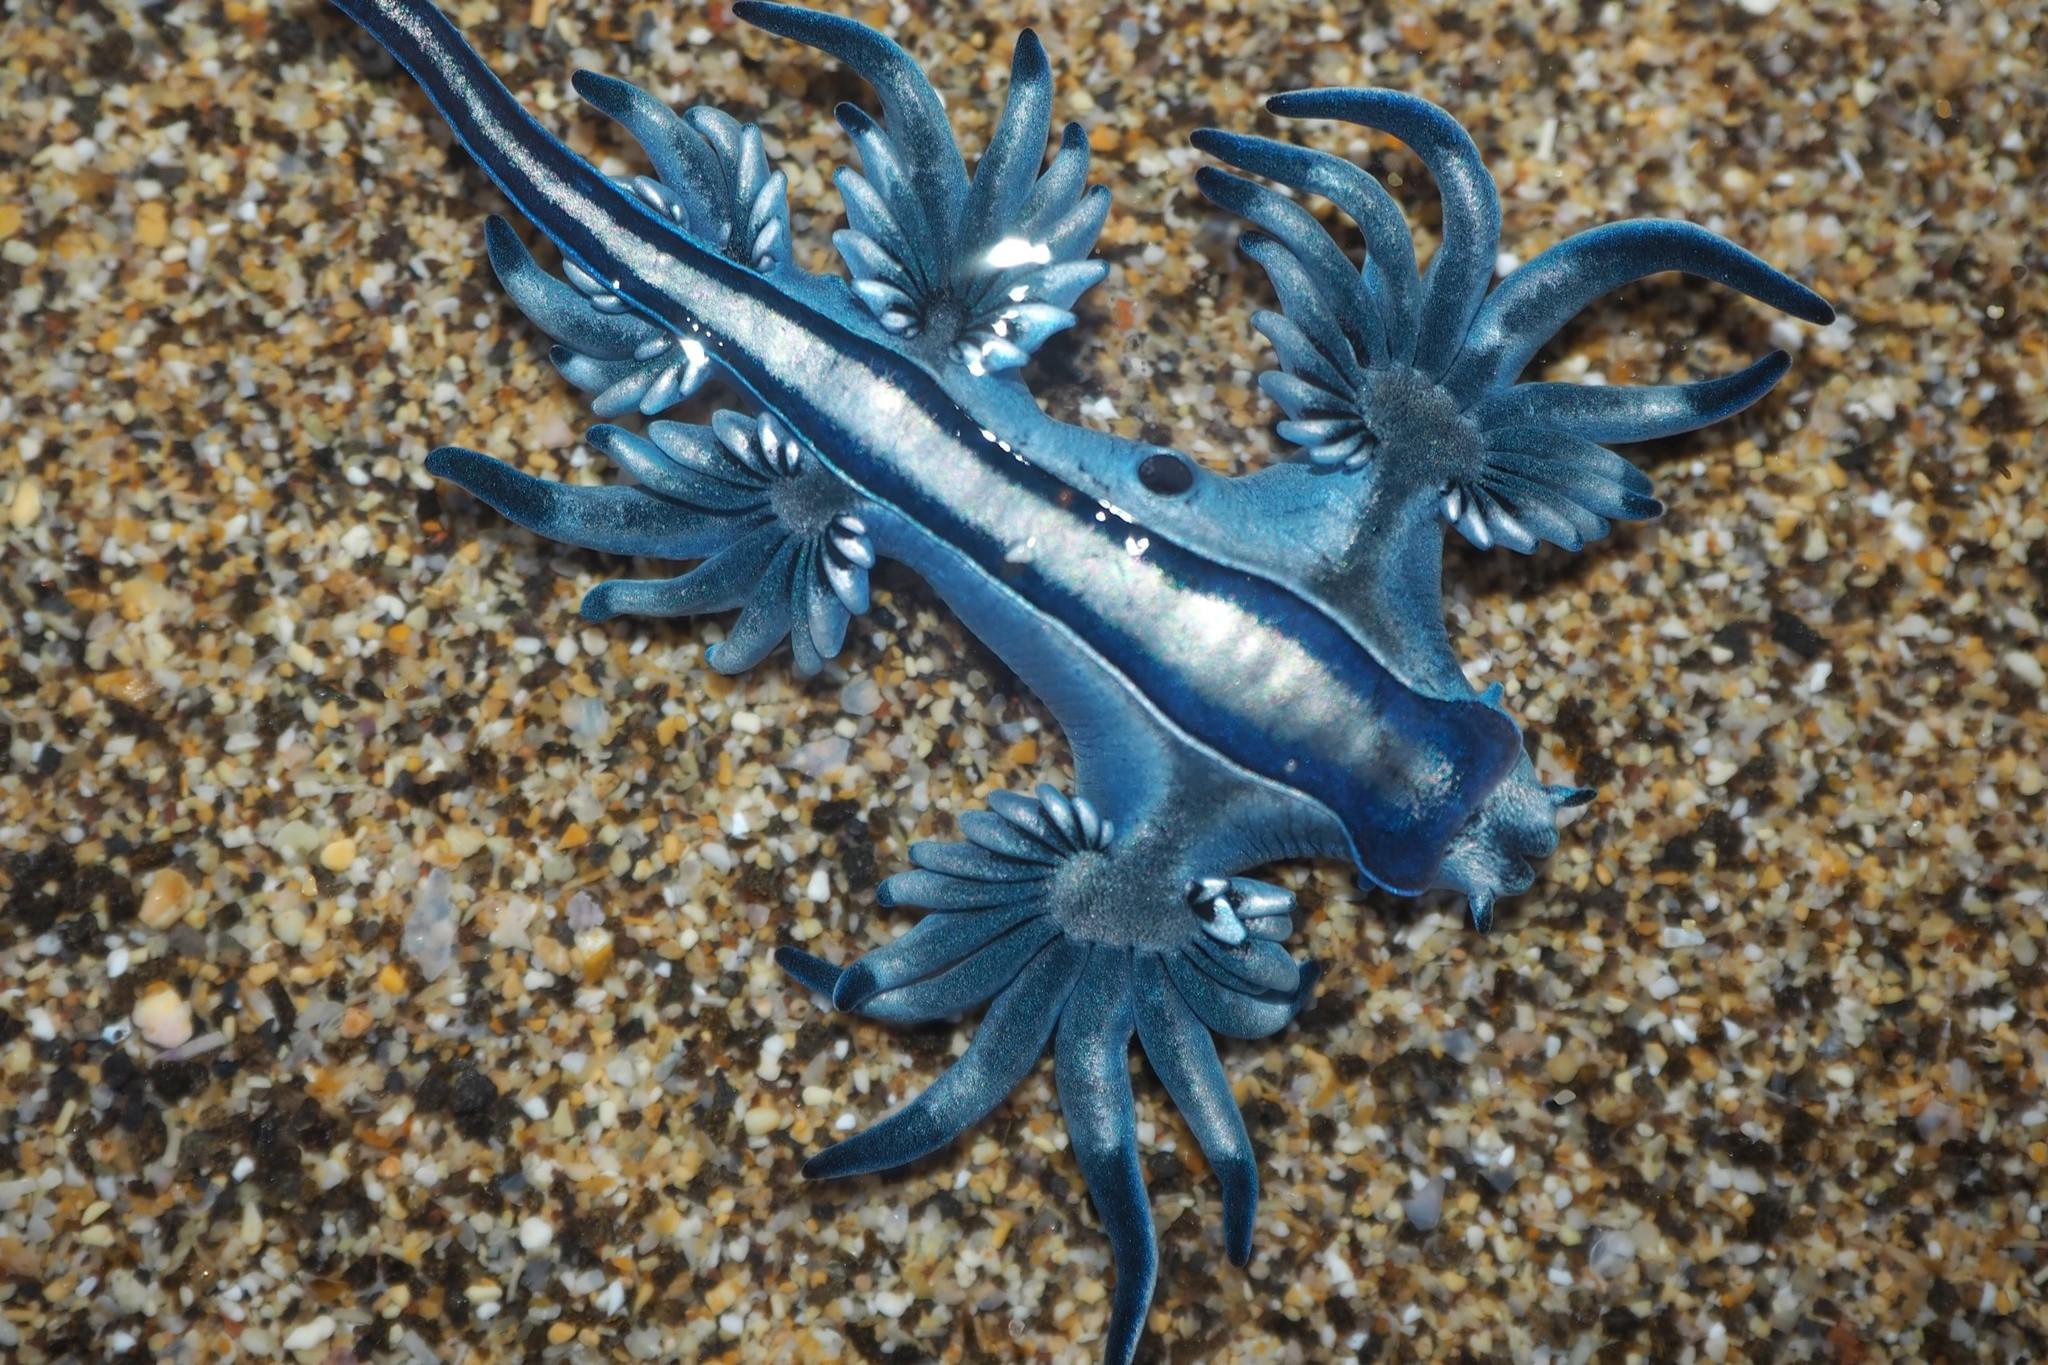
615, 238
535, 170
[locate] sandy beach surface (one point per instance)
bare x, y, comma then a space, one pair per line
385, 952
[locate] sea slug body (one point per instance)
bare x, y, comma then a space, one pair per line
1248, 669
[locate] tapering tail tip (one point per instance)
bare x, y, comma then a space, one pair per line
1764, 375
482, 476
1305, 993
1808, 306
814, 974
357, 10
1240, 1181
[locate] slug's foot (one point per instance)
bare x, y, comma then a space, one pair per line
1078, 941
781, 537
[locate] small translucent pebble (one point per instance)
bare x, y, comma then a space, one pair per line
1425, 1208
163, 1018
338, 854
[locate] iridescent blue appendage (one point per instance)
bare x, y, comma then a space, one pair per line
1018, 918
982, 270
781, 537
1380, 367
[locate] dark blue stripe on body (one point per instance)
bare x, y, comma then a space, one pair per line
1400, 771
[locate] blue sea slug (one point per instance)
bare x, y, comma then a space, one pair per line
1247, 669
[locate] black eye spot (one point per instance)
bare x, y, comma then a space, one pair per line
1167, 474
